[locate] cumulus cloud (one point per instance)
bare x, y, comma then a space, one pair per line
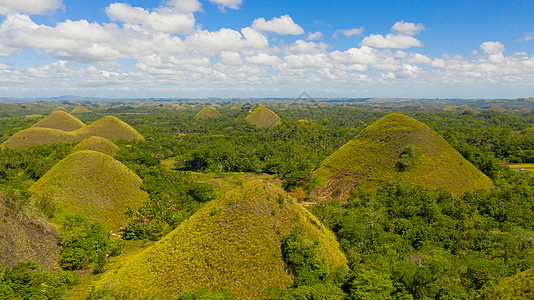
301, 46
348, 32
492, 47
164, 19
32, 7
264, 59
529, 36
222, 4
391, 41
312, 36
283, 25
185, 5
406, 28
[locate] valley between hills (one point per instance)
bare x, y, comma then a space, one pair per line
274, 200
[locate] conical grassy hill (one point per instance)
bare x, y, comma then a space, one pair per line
263, 117
26, 238
93, 184
519, 286
207, 112
37, 136
60, 120
99, 144
110, 128
79, 110
396, 146
233, 243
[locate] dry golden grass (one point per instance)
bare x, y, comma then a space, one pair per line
233, 243
370, 159
37, 136
110, 128
79, 110
93, 184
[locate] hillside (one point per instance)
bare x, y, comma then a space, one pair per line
37, 136
79, 110
93, 184
25, 237
263, 117
207, 112
60, 120
99, 144
110, 128
233, 243
519, 286
396, 146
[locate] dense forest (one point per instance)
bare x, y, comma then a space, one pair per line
400, 241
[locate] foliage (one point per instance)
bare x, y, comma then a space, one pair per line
27, 281
85, 244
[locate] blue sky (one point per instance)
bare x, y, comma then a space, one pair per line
241, 48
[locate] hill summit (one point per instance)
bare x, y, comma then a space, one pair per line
233, 243
60, 120
99, 144
207, 112
263, 117
93, 184
396, 146
60, 127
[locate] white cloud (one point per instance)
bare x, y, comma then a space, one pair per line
164, 19
492, 47
226, 40
185, 5
33, 7
349, 32
264, 59
283, 25
406, 28
221, 4
417, 58
391, 41
301, 46
312, 36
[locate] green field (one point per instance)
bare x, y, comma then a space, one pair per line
527, 166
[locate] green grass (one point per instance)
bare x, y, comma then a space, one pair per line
263, 117
233, 243
93, 184
60, 120
25, 236
519, 286
109, 127
207, 112
371, 159
97, 143
224, 182
526, 166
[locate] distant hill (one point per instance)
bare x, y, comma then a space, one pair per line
263, 117
79, 110
396, 146
97, 143
59, 108
25, 237
519, 286
207, 112
44, 132
93, 184
60, 120
110, 128
233, 243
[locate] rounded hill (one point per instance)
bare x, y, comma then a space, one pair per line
26, 238
231, 244
111, 128
93, 184
60, 120
396, 146
207, 112
37, 136
79, 110
263, 117
99, 144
